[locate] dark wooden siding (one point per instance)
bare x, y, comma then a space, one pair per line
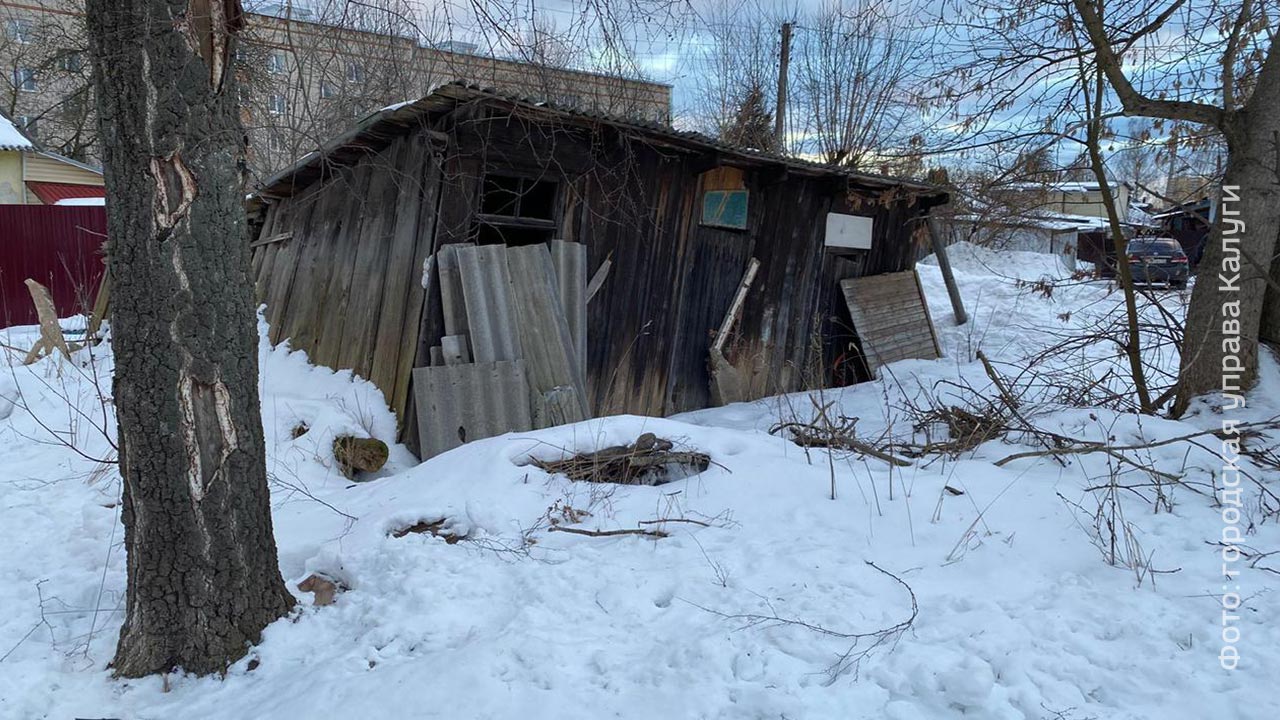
629, 199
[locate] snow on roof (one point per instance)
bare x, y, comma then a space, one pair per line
84, 201
11, 138
1091, 186
1045, 220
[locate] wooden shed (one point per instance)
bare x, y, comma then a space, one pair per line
348, 252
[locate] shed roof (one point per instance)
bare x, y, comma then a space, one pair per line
376, 130
11, 138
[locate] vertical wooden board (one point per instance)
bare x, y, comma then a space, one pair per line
333, 297
285, 264
571, 282
257, 253
461, 403
416, 315
278, 217
486, 287
400, 270
369, 279
313, 262
545, 343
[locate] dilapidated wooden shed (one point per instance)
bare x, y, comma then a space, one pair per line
353, 253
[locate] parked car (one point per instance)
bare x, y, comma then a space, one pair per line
1157, 260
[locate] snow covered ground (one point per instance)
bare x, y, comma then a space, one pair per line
1018, 615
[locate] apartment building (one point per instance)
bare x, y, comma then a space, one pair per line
303, 76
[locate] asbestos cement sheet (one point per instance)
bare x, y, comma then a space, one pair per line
461, 403
545, 340
570, 260
491, 316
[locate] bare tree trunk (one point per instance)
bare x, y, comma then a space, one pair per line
1232, 282
203, 575
1093, 144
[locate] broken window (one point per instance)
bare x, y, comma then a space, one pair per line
517, 210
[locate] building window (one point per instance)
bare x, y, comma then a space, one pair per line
20, 30
517, 210
275, 63
276, 105
725, 209
327, 90
70, 62
28, 124
275, 143
24, 79
355, 73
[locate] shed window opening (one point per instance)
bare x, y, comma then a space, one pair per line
725, 209
517, 210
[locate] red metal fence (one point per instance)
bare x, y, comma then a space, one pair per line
59, 247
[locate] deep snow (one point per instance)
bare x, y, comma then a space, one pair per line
1019, 617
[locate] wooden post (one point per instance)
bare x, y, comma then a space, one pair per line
784, 60
944, 264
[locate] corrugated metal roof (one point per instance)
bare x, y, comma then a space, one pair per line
379, 128
50, 192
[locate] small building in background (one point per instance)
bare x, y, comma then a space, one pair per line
30, 175
1189, 223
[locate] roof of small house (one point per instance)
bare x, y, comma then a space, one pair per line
378, 129
11, 138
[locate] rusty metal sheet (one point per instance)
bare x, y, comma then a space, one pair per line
461, 403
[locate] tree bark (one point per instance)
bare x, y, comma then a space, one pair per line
1233, 286
203, 575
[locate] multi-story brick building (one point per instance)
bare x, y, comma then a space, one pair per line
304, 76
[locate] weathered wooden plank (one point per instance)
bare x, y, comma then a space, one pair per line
369, 277
319, 259
329, 337
257, 250
890, 318
401, 273
491, 317
460, 403
414, 315
545, 341
287, 260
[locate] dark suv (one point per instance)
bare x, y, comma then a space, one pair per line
1157, 260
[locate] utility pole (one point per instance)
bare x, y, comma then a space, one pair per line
781, 114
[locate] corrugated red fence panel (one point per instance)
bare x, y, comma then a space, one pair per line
59, 247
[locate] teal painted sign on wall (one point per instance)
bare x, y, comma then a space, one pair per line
725, 208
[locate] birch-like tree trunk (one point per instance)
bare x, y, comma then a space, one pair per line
203, 578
